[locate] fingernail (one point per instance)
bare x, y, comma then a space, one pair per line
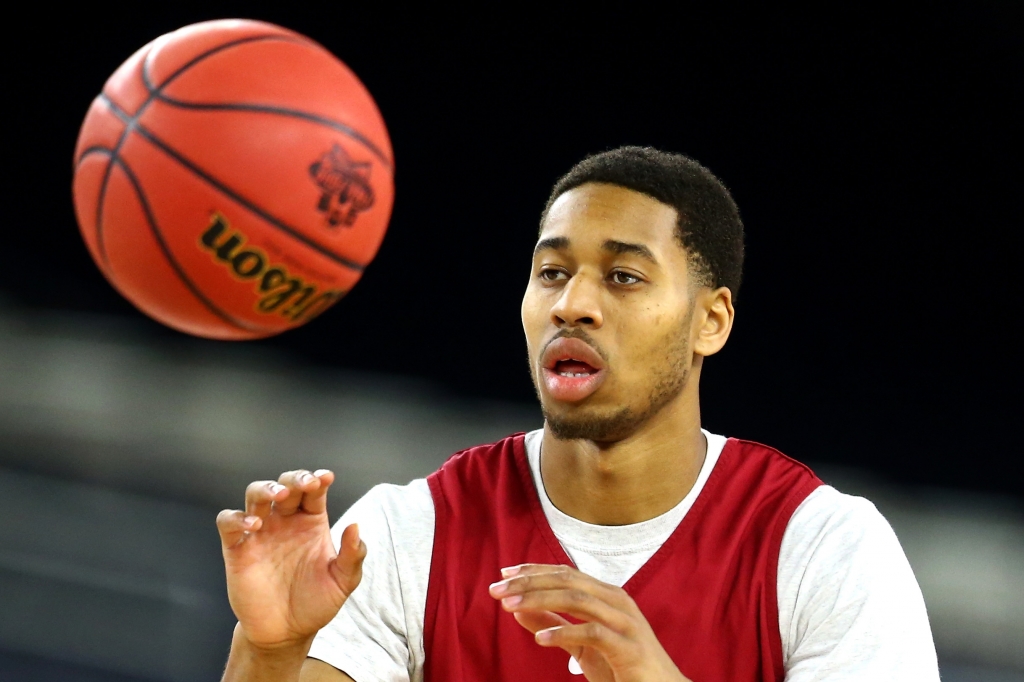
509, 602
320, 472
276, 488
545, 636
305, 478
509, 572
500, 587
249, 521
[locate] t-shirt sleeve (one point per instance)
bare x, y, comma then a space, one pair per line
850, 607
369, 640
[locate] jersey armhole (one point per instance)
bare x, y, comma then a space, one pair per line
435, 577
775, 549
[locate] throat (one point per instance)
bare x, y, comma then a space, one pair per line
619, 485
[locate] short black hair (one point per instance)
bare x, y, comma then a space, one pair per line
709, 226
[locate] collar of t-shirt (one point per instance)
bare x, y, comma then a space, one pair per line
614, 553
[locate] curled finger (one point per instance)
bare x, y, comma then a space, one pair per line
315, 502
574, 585
260, 496
535, 621
233, 524
298, 483
574, 637
572, 602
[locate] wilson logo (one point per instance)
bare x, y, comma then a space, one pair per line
280, 292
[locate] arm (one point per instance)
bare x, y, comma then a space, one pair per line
318, 671
246, 662
285, 580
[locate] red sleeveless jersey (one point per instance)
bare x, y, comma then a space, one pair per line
709, 592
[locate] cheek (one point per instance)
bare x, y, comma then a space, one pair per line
533, 316
647, 339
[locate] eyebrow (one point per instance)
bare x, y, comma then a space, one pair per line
553, 243
626, 247
613, 245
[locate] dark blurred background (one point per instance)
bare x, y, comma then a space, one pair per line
874, 157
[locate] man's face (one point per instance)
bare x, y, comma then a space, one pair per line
608, 312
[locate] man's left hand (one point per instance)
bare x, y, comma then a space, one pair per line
614, 643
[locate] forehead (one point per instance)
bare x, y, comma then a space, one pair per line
598, 211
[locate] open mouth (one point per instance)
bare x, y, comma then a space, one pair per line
571, 369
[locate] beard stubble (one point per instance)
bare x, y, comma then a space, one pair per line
621, 423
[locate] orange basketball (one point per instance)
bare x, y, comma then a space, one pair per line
233, 179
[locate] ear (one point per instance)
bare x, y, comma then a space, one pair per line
713, 316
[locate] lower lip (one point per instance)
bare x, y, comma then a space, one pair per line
571, 389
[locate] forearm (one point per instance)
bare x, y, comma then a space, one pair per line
246, 663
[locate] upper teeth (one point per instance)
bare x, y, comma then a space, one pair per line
575, 374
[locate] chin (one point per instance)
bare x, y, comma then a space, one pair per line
582, 424
613, 423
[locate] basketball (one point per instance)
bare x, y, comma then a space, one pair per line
233, 179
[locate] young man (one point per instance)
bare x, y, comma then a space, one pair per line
621, 541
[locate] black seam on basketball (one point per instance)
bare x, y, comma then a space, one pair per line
103, 191
117, 111
89, 151
155, 229
209, 53
227, 191
100, 244
281, 111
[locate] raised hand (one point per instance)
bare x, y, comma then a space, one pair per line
285, 580
615, 643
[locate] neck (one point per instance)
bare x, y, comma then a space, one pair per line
631, 480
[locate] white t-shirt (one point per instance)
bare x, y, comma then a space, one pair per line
849, 605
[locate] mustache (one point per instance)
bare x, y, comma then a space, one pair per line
576, 333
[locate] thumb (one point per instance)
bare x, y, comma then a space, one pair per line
347, 567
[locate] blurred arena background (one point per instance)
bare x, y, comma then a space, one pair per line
878, 331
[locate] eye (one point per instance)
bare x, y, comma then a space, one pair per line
624, 278
552, 274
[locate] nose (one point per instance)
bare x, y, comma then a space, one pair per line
579, 305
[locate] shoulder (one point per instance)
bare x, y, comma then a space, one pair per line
763, 468
829, 507
832, 535
482, 467
839, 525
760, 456
760, 480
485, 453
391, 512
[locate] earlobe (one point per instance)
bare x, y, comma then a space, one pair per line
718, 313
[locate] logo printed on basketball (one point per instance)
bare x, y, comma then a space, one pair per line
344, 184
274, 284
